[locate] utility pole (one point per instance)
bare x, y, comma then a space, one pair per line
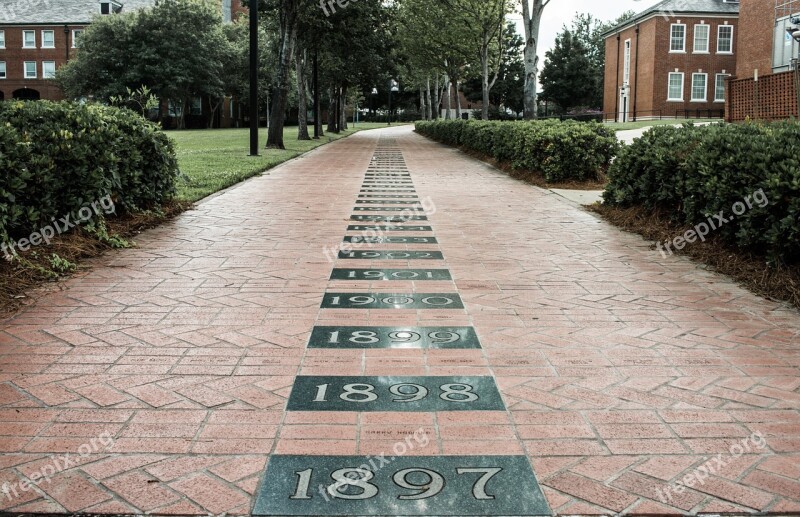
253, 77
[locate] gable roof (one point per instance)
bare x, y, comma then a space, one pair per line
676, 7
56, 12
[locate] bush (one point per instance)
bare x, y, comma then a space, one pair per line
59, 157
695, 172
560, 151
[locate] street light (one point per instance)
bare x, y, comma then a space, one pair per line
393, 87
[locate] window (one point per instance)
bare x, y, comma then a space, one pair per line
2, 69
2, 39
196, 107
48, 69
626, 74
175, 110
30, 69
28, 39
76, 36
105, 8
701, 35
699, 87
719, 88
677, 38
48, 39
725, 39
675, 87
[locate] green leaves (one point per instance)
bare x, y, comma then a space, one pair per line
560, 151
695, 172
57, 157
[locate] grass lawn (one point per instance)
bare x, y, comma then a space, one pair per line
214, 159
624, 126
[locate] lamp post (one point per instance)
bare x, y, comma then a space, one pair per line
372, 101
393, 87
253, 77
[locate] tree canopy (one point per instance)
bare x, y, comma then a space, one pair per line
438, 51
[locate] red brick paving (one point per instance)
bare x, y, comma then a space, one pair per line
623, 372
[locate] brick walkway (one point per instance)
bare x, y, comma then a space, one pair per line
169, 366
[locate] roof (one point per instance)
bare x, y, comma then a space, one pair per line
676, 7
41, 12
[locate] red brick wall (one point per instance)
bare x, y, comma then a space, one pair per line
689, 63
756, 26
773, 97
15, 56
656, 62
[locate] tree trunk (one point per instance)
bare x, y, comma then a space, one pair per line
428, 102
447, 98
332, 110
422, 109
343, 106
302, 97
457, 86
532, 19
436, 109
182, 119
288, 15
485, 82
213, 109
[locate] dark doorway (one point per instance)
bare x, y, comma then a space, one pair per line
27, 94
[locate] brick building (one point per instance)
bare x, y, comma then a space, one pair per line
768, 52
671, 60
39, 36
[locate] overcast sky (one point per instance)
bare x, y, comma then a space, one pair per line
560, 12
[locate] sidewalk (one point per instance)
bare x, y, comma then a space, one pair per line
621, 373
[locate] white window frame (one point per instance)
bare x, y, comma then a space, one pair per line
25, 40
719, 39
708, 39
54, 39
2, 39
669, 86
44, 72
76, 33
705, 88
3, 70
25, 70
717, 89
626, 66
671, 37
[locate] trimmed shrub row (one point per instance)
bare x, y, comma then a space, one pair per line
58, 157
560, 151
695, 172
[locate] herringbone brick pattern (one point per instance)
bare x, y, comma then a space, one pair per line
623, 372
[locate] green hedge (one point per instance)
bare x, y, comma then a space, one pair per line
694, 172
560, 151
59, 157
